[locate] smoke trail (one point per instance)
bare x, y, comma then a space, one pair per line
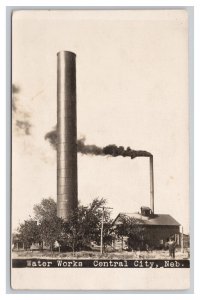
109, 150
88, 149
21, 118
23, 126
15, 91
114, 150
51, 136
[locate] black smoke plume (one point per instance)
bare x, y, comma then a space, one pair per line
109, 150
114, 150
88, 149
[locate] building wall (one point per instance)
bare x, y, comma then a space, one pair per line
155, 237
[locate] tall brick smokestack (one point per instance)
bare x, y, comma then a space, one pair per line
151, 184
66, 135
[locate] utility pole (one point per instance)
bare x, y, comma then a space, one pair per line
102, 224
182, 248
102, 221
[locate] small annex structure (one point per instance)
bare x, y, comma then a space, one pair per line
153, 231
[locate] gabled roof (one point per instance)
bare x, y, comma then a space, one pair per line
156, 219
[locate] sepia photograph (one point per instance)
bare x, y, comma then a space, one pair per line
100, 150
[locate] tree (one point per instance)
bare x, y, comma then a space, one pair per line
28, 232
133, 229
93, 219
50, 225
47, 209
84, 225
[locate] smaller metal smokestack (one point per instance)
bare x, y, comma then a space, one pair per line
151, 184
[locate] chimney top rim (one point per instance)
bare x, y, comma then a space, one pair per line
66, 52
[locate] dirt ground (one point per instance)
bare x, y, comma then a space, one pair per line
124, 255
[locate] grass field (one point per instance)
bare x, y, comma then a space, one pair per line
155, 254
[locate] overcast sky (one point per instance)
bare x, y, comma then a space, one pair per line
132, 90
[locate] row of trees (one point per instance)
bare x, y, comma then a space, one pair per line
82, 228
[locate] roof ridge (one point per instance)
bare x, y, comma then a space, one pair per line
156, 219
